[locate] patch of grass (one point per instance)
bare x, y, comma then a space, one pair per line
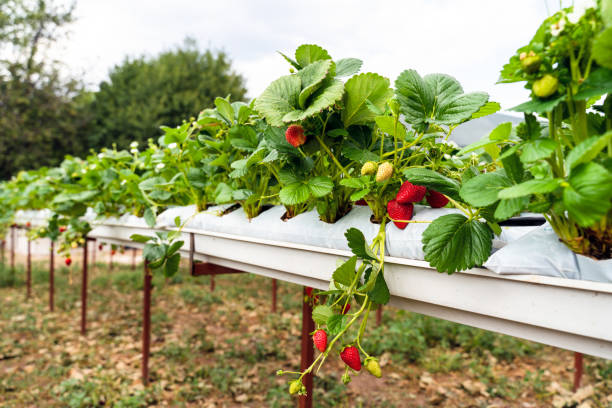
199, 297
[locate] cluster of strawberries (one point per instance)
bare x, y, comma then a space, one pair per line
349, 353
401, 208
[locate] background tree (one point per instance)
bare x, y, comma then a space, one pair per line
144, 93
41, 113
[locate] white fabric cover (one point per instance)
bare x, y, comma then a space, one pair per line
305, 228
541, 253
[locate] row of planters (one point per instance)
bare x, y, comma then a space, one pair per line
324, 138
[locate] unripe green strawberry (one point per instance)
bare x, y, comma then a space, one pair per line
385, 171
368, 168
531, 64
295, 387
373, 367
545, 86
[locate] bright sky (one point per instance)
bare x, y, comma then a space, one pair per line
468, 39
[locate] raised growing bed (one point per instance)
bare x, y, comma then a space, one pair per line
565, 313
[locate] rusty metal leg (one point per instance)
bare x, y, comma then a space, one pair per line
12, 250
84, 291
379, 315
110, 261
212, 283
307, 351
146, 324
51, 276
94, 246
578, 369
133, 259
29, 271
2, 246
274, 290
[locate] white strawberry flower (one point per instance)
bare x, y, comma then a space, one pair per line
134, 151
134, 145
172, 146
447, 156
100, 155
93, 166
160, 166
558, 27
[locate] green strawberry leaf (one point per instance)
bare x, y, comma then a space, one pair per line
434, 180
436, 98
172, 265
488, 108
602, 48
537, 149
335, 324
537, 186
140, 238
380, 294
149, 217
330, 92
321, 314
306, 54
598, 83
510, 207
293, 63
389, 125
320, 186
537, 105
587, 198
279, 98
348, 66
152, 252
225, 110
357, 243
295, 193
483, 190
358, 91
454, 243
175, 247
358, 195
312, 78
345, 273
587, 150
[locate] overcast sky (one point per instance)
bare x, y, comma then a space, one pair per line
470, 40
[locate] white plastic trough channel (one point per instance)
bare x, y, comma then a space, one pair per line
569, 314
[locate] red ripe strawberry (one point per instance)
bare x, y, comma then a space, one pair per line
435, 199
295, 135
361, 202
100, 247
113, 252
68, 261
28, 225
410, 193
350, 356
309, 291
346, 308
62, 229
402, 212
319, 339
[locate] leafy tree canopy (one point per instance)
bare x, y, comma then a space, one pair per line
143, 93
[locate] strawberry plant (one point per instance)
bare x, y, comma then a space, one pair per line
561, 168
